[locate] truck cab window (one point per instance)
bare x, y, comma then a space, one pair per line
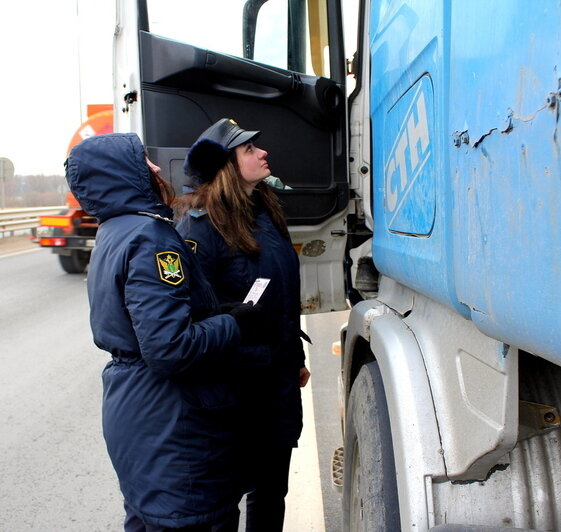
287, 34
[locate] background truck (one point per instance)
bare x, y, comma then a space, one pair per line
425, 194
71, 233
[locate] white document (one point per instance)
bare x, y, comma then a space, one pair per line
256, 291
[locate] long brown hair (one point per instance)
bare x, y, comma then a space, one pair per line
162, 188
230, 209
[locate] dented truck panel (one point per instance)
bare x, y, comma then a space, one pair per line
506, 191
467, 178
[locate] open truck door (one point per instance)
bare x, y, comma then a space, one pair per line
273, 65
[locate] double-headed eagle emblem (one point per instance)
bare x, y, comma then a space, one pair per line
169, 267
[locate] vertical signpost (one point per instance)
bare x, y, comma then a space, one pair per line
6, 172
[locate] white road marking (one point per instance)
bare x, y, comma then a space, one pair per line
304, 502
13, 254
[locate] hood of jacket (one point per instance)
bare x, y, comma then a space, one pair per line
109, 176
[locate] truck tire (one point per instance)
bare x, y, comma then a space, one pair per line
76, 262
370, 501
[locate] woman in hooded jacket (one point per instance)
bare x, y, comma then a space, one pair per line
167, 399
234, 223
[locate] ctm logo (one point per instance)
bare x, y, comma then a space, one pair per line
408, 155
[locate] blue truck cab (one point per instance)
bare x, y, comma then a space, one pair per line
419, 144
465, 118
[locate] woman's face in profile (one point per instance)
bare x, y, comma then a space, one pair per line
252, 162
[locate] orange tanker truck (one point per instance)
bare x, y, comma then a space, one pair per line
71, 233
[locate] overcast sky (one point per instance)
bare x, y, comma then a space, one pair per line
43, 97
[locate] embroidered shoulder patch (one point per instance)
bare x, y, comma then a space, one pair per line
192, 244
169, 267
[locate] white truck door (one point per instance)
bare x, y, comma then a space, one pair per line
273, 65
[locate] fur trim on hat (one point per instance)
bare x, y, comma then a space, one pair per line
204, 160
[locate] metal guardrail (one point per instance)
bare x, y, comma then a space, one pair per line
24, 219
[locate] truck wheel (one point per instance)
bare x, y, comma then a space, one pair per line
76, 262
370, 501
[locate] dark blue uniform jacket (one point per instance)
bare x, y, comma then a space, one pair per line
167, 402
267, 377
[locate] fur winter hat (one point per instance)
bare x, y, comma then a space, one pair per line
211, 150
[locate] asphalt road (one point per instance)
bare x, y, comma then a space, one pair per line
53, 465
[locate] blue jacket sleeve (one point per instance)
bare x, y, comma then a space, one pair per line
170, 341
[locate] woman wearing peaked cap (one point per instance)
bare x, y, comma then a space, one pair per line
235, 225
167, 398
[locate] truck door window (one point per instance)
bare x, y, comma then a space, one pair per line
288, 34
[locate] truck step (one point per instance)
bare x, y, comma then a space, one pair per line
337, 469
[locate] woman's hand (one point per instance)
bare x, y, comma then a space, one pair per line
304, 377
250, 319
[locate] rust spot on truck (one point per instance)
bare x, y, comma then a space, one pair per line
309, 304
314, 248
